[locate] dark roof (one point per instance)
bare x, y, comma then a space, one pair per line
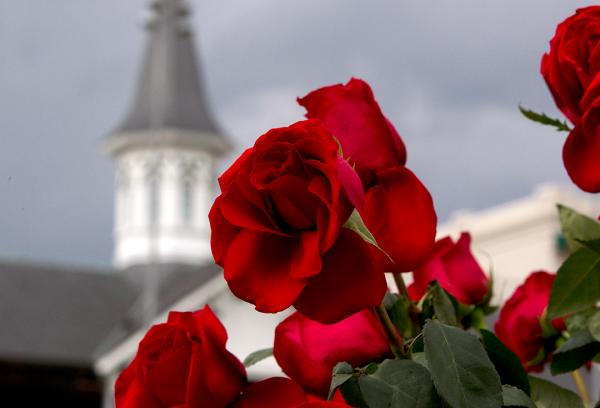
70, 315
170, 94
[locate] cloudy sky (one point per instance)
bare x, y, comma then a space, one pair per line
449, 74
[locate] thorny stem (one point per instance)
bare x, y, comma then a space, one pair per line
581, 387
396, 341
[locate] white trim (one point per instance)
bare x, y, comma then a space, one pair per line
124, 351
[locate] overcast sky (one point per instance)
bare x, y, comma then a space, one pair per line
449, 74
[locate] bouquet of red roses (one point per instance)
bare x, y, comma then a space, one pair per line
313, 217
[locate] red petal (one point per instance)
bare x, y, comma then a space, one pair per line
223, 374
352, 115
258, 268
222, 232
239, 211
306, 260
468, 282
351, 280
455, 268
231, 173
581, 153
399, 212
273, 392
432, 270
352, 184
307, 350
130, 393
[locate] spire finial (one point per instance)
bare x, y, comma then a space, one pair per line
170, 14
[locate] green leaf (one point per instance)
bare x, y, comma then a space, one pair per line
461, 370
341, 373
258, 356
578, 350
593, 245
352, 394
577, 227
593, 325
514, 397
399, 384
545, 119
577, 284
579, 321
549, 395
356, 224
398, 308
442, 305
507, 363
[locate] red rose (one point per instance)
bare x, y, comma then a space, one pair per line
182, 363
398, 209
277, 227
574, 60
455, 268
581, 152
307, 351
519, 323
279, 392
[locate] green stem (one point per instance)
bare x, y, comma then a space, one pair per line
400, 284
581, 387
403, 291
396, 341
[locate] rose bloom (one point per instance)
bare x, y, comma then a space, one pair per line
518, 326
182, 363
307, 351
456, 269
581, 152
277, 227
574, 60
398, 209
279, 392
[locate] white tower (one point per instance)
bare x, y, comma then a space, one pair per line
165, 151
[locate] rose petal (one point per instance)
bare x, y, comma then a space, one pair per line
222, 233
130, 393
352, 115
351, 183
241, 212
455, 268
258, 269
581, 153
351, 280
273, 392
399, 213
306, 259
307, 350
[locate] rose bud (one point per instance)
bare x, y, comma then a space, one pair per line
456, 270
398, 209
574, 60
277, 227
182, 363
519, 327
307, 351
282, 393
581, 152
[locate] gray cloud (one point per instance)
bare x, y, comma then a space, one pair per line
448, 74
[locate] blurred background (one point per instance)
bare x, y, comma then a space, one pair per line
449, 75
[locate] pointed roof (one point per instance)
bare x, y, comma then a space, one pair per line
170, 105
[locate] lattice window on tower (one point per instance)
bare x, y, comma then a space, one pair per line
153, 183
188, 180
